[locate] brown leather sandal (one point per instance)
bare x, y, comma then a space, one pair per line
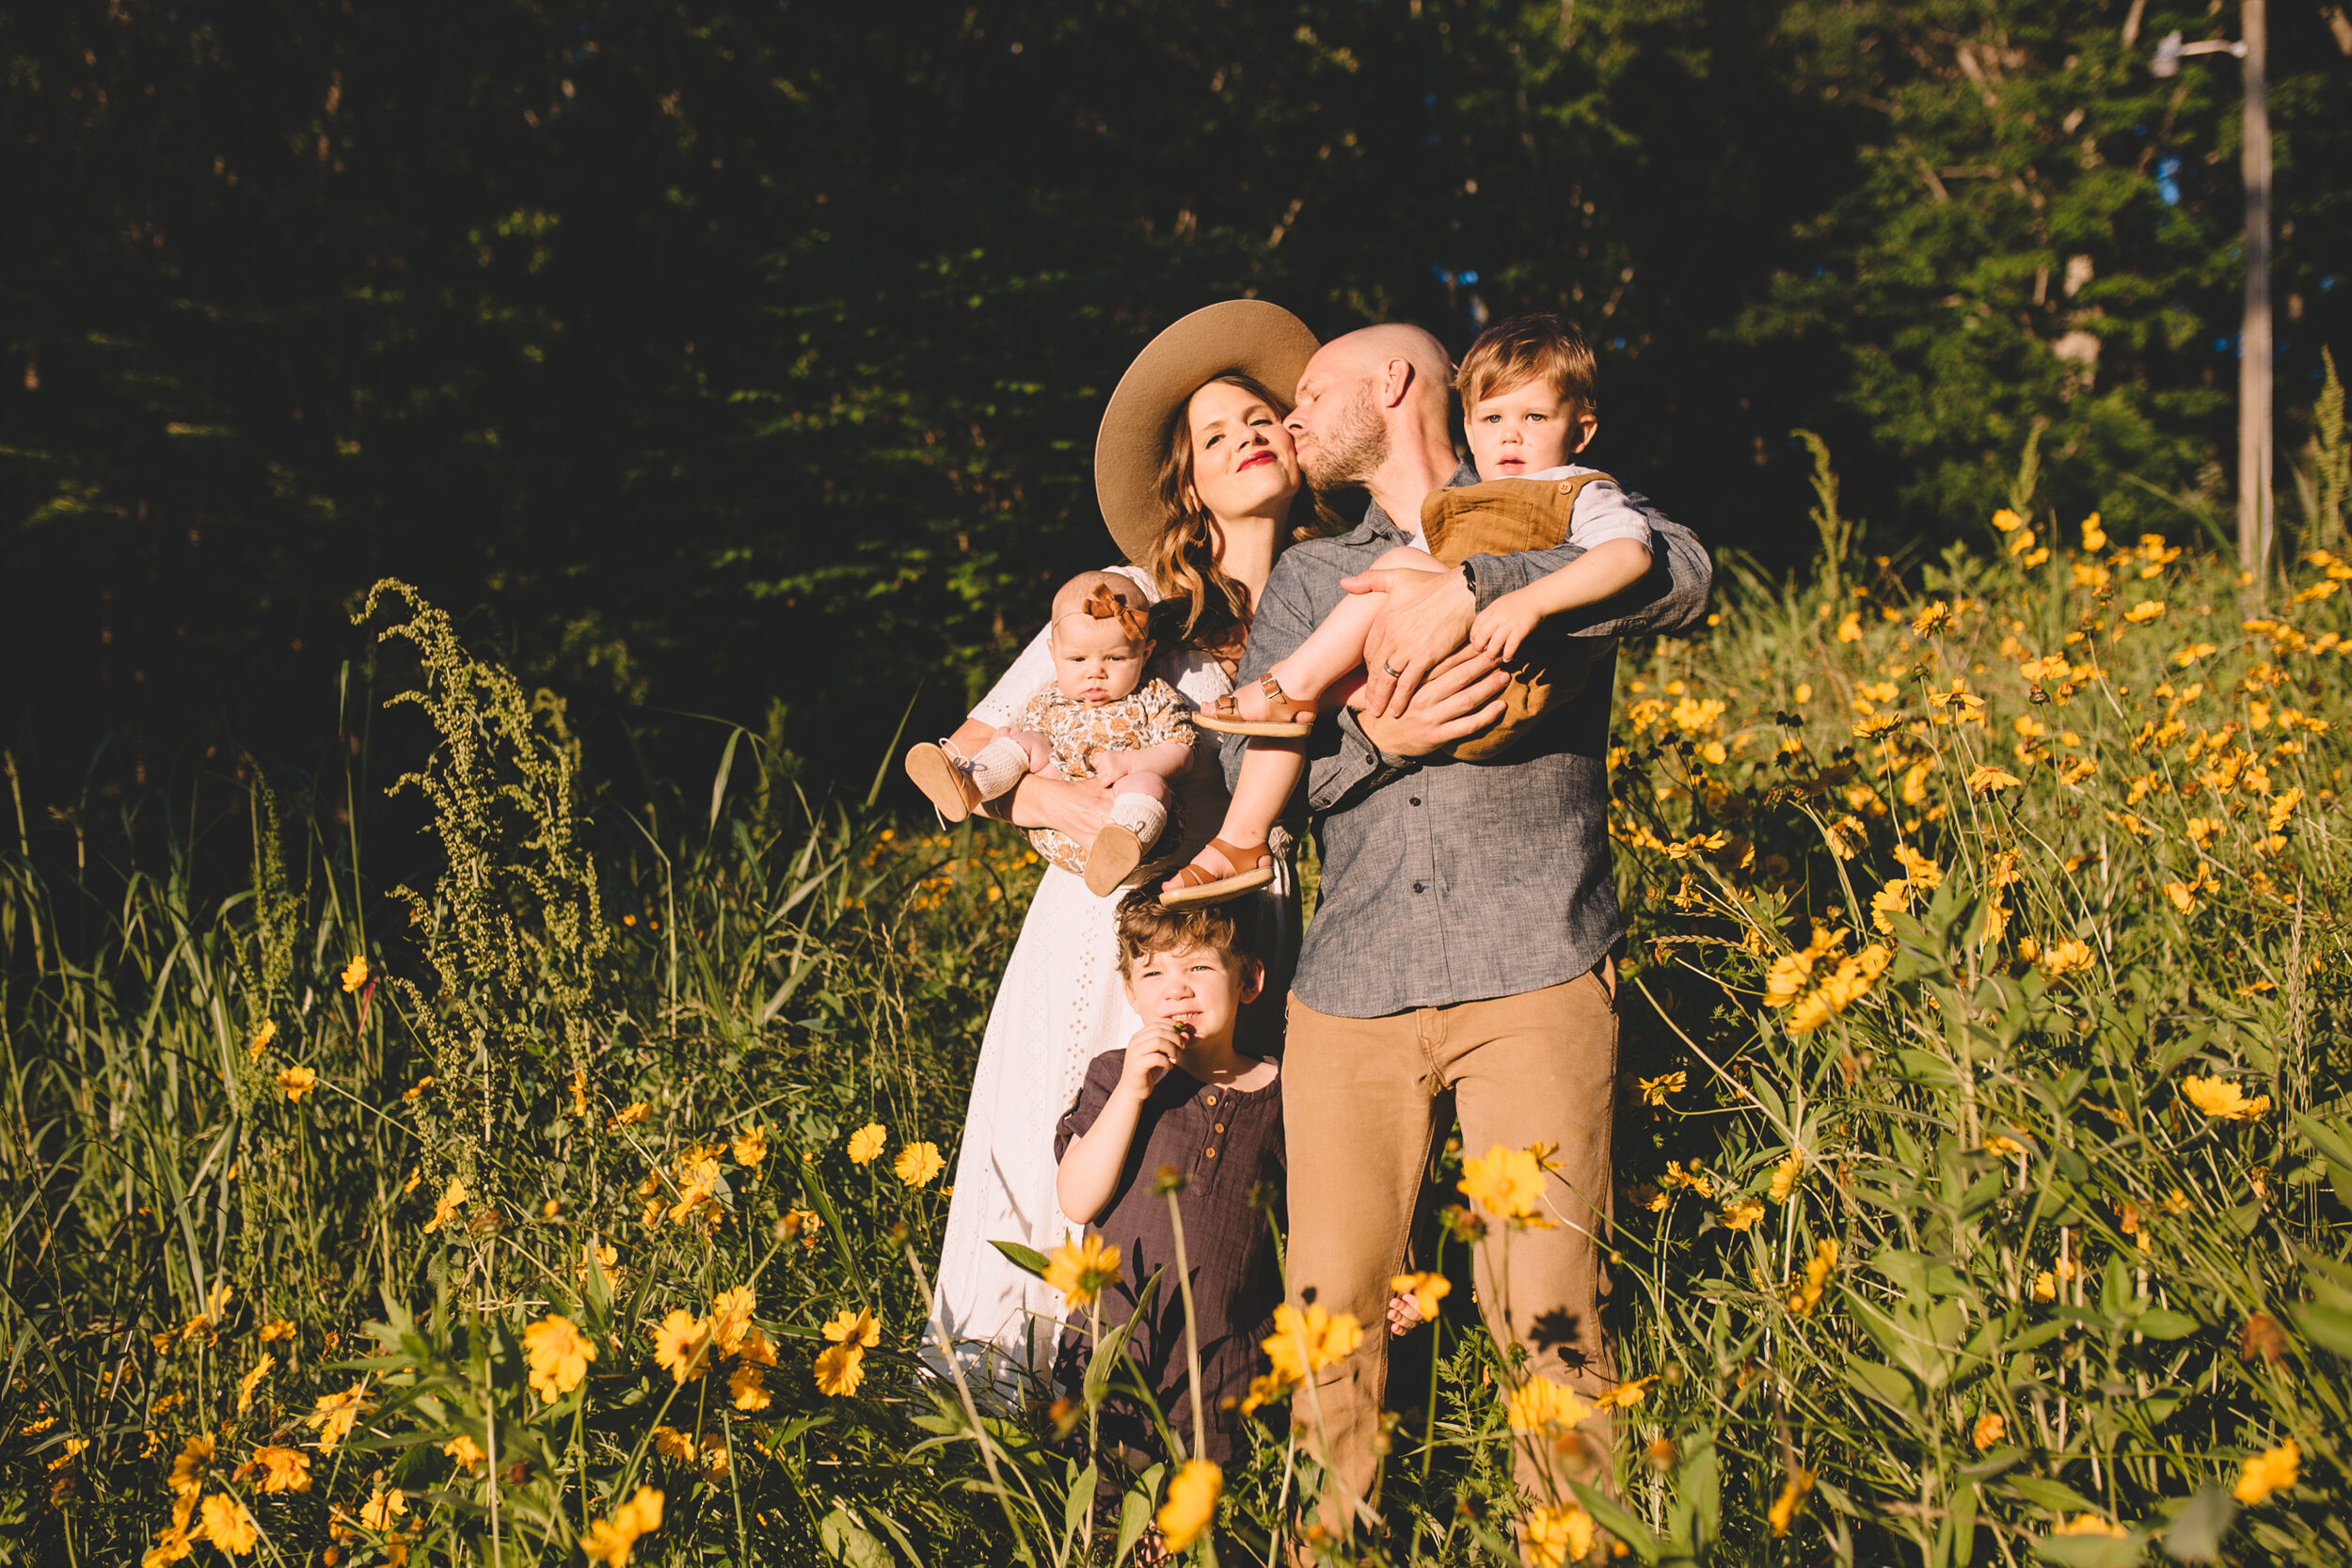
1196, 885
1296, 719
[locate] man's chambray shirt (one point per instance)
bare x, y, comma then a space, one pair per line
1449, 881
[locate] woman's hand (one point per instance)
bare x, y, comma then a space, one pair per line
1076, 808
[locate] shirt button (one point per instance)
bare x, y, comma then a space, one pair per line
1220, 1127
1566, 485
1212, 1100
1415, 801
1420, 887
1210, 1153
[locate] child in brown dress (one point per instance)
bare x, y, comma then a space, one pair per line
1179, 1096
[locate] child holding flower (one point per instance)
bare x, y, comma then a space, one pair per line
1178, 1105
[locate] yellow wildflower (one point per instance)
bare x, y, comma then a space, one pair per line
251, 1380
1785, 1177
465, 1450
858, 1328
1850, 630
839, 1370
1988, 780
1807, 1296
2144, 612
1426, 1290
682, 1345
1082, 1271
2003, 1147
2065, 957
2044, 1286
356, 973
611, 1541
629, 1116
283, 1469
917, 1165
1624, 1395
670, 1443
1191, 1505
1742, 1213
748, 1384
445, 1208
1937, 616
1556, 1536
751, 1145
559, 1355
335, 1415
382, 1507
1305, 1342
297, 1082
2272, 1470
262, 1037
2094, 537
803, 1223
1989, 1430
188, 1467
1540, 1403
1656, 1090
227, 1525
731, 1317
2008, 522
865, 1144
2091, 1523
2222, 1099
1507, 1183
1792, 1494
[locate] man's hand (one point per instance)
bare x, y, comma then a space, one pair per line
1462, 696
1428, 617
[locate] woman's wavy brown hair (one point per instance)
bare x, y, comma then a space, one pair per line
1201, 606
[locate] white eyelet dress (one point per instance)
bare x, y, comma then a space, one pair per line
1060, 1005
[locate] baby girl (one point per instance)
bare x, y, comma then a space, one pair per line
1099, 718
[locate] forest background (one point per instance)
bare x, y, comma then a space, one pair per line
744, 359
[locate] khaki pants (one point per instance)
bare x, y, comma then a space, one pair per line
1356, 1100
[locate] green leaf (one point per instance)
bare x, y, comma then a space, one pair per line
2159, 1322
2328, 1327
1027, 1259
849, 1542
1135, 1512
1618, 1521
2198, 1528
1883, 1384
2088, 1551
2056, 1495
1081, 1503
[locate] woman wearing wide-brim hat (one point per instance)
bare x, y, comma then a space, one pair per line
1200, 489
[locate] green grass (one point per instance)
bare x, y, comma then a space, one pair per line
604, 1002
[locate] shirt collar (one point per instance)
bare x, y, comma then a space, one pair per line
1465, 474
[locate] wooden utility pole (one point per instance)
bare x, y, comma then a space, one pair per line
2254, 350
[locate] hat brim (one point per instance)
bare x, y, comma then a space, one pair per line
1244, 336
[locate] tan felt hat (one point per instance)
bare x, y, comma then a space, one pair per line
1247, 336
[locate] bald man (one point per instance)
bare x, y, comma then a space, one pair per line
1464, 918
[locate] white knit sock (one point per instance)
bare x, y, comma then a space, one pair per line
1141, 816
998, 766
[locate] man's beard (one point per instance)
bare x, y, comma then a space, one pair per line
1353, 452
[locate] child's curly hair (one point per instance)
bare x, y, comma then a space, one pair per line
1146, 929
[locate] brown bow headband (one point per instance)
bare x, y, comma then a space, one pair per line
1104, 605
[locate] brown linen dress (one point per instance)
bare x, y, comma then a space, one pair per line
1229, 1141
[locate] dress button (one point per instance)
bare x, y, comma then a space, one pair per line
1220, 1127
1210, 1153
1566, 485
1212, 1100
1420, 887
1415, 801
